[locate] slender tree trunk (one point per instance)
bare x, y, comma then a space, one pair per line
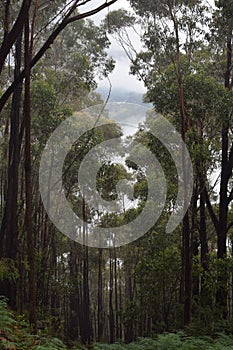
74, 294
203, 239
128, 300
221, 295
195, 241
100, 296
85, 327
111, 313
28, 187
186, 226
9, 226
116, 294
120, 302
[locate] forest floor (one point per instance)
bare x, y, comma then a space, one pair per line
168, 341
15, 334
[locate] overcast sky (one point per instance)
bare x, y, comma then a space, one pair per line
120, 77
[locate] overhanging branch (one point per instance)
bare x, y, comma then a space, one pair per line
47, 45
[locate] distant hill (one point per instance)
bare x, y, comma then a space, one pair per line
121, 95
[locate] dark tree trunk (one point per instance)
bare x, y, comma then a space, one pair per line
116, 294
100, 297
186, 235
28, 186
85, 326
195, 242
129, 336
9, 226
74, 295
187, 271
203, 237
120, 302
221, 295
111, 313
186, 227
205, 297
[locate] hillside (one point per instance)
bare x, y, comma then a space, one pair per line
122, 95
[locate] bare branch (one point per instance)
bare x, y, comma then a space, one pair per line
57, 15
92, 12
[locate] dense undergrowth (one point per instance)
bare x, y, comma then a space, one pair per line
15, 335
174, 342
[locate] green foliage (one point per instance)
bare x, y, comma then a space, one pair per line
173, 341
76, 57
109, 347
163, 8
46, 113
14, 338
118, 19
8, 270
7, 321
14, 335
50, 344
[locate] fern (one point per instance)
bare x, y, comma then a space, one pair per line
12, 337
8, 270
7, 321
50, 344
174, 341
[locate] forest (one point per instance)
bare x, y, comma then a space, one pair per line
152, 290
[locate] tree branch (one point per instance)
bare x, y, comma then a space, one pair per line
92, 12
47, 45
210, 209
